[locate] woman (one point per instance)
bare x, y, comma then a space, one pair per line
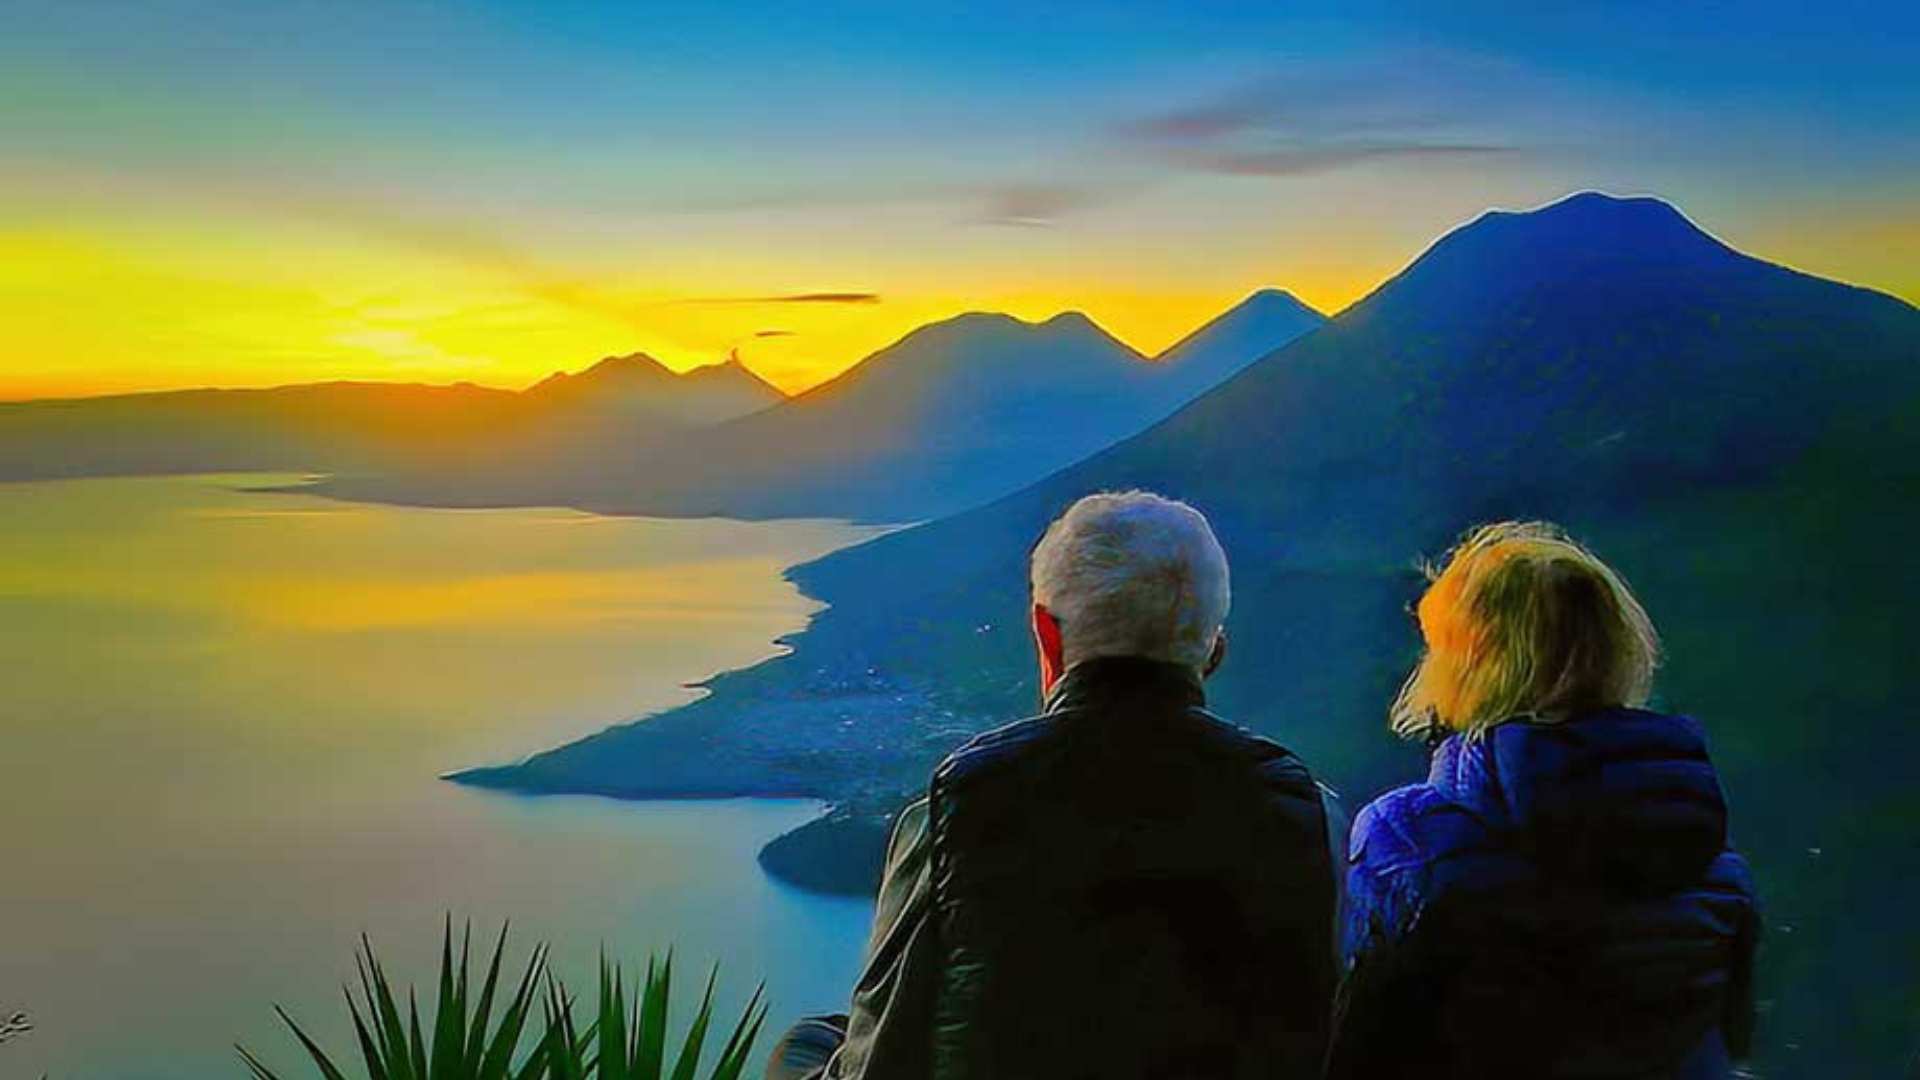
1558, 899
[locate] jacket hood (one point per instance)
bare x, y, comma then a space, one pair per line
1624, 797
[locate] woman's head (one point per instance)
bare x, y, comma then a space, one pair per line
1519, 620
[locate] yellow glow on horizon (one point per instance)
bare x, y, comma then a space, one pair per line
109, 304
111, 307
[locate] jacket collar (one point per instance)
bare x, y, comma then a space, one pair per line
1133, 678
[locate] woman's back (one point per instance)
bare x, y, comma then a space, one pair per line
1558, 899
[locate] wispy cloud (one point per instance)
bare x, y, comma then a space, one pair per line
1018, 204
1311, 119
1307, 160
789, 298
1035, 205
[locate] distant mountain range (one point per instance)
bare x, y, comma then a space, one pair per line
373, 428
1744, 440
638, 390
952, 415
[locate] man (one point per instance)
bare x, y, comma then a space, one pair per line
1124, 886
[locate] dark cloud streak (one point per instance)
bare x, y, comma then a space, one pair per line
790, 298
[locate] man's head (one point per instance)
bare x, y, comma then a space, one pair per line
1129, 574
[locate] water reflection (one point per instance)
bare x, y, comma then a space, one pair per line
222, 717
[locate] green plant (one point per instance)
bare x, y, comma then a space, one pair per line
631, 1045
468, 1043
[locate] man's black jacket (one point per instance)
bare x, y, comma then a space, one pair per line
1125, 886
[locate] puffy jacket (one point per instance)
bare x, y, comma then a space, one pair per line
1129, 887
1557, 900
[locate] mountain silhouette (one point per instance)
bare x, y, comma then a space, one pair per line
953, 414
638, 388
371, 428
1741, 439
1237, 337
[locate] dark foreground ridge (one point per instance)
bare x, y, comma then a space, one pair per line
1742, 440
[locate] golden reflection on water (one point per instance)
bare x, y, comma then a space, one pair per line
222, 716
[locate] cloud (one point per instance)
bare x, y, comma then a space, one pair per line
1015, 204
790, 298
1035, 205
773, 333
1307, 160
1310, 118
822, 298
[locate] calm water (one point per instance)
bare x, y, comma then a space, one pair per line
221, 718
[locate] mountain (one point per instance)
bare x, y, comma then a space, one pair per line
1741, 439
1235, 338
952, 415
640, 389
368, 428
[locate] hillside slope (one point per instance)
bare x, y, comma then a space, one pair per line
1742, 439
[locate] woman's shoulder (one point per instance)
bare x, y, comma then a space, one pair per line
1410, 826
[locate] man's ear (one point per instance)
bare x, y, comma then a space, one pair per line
1218, 656
1047, 641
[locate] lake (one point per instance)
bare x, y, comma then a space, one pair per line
224, 713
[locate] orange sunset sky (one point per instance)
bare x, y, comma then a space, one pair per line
239, 195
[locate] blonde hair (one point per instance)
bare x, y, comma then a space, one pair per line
1522, 621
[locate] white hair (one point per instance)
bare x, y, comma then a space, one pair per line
1132, 574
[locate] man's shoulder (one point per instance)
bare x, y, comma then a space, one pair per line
1004, 746
1277, 764
993, 748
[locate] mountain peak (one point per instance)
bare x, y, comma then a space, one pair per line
1590, 222
731, 372
1071, 320
1577, 238
632, 364
1597, 209
1265, 320
633, 367
1273, 300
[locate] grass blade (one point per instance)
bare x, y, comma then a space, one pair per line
740, 1044
376, 1066
483, 1009
259, 1071
449, 1019
506, 1038
650, 1034
319, 1056
612, 1023
689, 1059
393, 1033
416, 1046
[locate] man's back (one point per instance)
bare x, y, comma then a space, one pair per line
1129, 887
1123, 888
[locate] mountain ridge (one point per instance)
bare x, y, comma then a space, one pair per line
951, 414
360, 426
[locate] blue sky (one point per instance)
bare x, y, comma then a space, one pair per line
513, 187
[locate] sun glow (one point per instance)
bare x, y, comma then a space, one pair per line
124, 306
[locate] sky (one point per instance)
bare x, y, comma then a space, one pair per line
236, 193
